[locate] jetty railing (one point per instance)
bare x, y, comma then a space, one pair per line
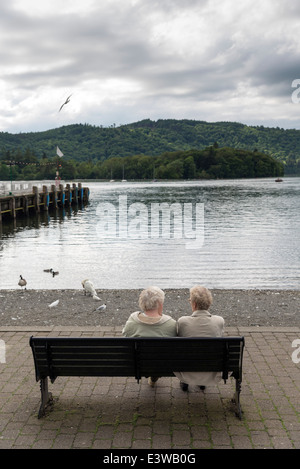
17, 187
42, 198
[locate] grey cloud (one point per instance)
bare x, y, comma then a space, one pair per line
110, 42
97, 45
289, 9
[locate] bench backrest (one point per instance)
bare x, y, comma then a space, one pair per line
142, 356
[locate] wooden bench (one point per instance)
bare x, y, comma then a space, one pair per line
138, 357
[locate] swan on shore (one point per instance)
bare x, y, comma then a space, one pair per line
89, 289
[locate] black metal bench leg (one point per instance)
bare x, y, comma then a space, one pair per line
46, 397
236, 399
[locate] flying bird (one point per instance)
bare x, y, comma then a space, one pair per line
89, 288
48, 270
55, 303
66, 102
22, 282
54, 273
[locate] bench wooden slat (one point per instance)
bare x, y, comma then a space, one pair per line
90, 371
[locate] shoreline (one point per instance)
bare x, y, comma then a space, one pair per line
238, 307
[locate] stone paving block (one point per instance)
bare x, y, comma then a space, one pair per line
161, 442
142, 432
141, 444
122, 440
83, 440
241, 442
63, 441
101, 444
181, 437
201, 444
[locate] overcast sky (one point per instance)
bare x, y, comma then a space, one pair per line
127, 60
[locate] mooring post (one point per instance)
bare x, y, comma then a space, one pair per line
75, 193
35, 190
80, 189
12, 206
62, 194
68, 194
25, 204
45, 197
54, 195
86, 193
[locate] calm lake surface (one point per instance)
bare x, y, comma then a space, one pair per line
240, 234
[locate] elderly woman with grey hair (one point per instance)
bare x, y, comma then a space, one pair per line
200, 324
150, 321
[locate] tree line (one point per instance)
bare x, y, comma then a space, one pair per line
211, 163
84, 142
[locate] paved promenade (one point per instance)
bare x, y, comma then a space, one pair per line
118, 413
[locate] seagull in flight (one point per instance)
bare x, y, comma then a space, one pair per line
66, 102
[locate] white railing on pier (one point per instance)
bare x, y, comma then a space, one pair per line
22, 187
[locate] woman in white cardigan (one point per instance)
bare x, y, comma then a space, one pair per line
200, 324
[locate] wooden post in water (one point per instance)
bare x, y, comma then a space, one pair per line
35, 190
12, 206
75, 193
45, 197
62, 194
25, 204
54, 195
68, 194
80, 191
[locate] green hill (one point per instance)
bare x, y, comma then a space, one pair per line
83, 142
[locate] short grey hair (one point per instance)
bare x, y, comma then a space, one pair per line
150, 298
201, 296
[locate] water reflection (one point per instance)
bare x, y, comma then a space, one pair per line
251, 239
12, 226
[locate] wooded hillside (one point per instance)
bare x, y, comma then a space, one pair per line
91, 144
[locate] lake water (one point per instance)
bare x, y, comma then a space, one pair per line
240, 234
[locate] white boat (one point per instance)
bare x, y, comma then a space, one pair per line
111, 175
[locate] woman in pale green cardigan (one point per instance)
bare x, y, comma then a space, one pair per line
150, 322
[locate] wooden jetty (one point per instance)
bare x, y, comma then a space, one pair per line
36, 201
